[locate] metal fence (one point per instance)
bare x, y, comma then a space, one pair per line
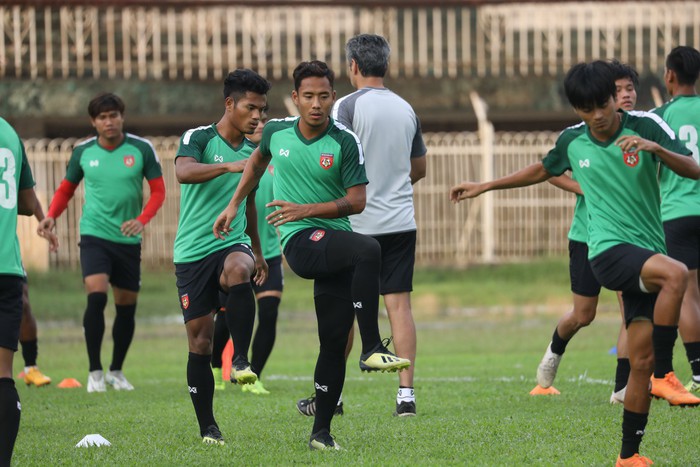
204, 42
526, 222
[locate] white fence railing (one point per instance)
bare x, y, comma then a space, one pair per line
205, 42
527, 222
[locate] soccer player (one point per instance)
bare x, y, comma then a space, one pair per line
28, 336
680, 212
584, 285
113, 164
391, 138
16, 197
615, 157
208, 165
319, 181
268, 295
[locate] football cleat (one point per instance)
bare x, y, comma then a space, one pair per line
693, 386
634, 461
219, 383
618, 397
381, 359
36, 377
118, 381
212, 435
256, 388
96, 382
673, 391
405, 409
241, 373
308, 406
547, 369
323, 441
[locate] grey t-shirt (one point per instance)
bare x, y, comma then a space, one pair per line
390, 133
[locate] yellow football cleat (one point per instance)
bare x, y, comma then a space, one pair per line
36, 377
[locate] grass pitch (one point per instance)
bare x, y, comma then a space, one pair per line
472, 382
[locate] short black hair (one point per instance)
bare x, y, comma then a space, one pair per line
243, 80
105, 102
370, 52
589, 85
623, 70
684, 61
313, 68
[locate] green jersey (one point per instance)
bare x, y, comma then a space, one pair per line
200, 203
622, 190
579, 224
269, 239
15, 175
680, 196
312, 171
113, 184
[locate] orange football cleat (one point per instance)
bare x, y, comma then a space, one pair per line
634, 461
36, 377
673, 391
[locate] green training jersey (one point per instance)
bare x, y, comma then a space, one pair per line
622, 190
312, 171
579, 223
269, 239
201, 203
680, 196
113, 184
15, 175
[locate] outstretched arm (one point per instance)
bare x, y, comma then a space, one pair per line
566, 183
254, 170
530, 175
189, 171
352, 203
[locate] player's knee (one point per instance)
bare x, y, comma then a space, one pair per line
643, 361
96, 302
201, 345
585, 317
237, 273
369, 250
677, 277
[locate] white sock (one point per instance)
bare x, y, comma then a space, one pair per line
405, 395
696, 378
27, 368
340, 399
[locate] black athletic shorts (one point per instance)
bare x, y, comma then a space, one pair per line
683, 240
10, 310
198, 282
275, 276
120, 261
583, 281
309, 256
619, 268
398, 259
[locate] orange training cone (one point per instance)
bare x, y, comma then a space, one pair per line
70, 383
540, 391
226, 359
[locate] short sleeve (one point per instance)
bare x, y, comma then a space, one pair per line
26, 180
556, 162
151, 163
343, 111
74, 171
193, 143
352, 169
264, 145
418, 148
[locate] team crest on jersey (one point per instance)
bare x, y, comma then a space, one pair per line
631, 158
271, 169
317, 235
129, 161
326, 160
185, 299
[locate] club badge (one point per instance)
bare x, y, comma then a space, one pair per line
185, 299
326, 160
317, 235
631, 158
129, 161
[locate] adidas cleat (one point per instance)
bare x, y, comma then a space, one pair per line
381, 359
241, 373
323, 441
212, 435
36, 377
307, 407
405, 409
673, 391
547, 369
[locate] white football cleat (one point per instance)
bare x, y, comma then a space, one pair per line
118, 381
547, 369
96, 382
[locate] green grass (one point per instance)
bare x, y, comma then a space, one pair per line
481, 334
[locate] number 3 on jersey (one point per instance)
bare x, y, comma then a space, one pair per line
689, 135
8, 184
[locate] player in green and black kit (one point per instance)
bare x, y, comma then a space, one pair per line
113, 165
208, 166
680, 207
615, 157
319, 181
16, 197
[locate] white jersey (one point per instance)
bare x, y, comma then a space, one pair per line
390, 133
